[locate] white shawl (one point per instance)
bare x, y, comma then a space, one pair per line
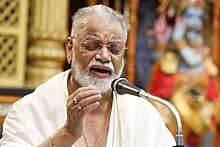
134, 122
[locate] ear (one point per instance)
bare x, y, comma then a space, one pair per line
69, 49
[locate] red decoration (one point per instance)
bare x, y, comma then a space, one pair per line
162, 84
212, 90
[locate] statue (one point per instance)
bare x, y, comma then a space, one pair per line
185, 73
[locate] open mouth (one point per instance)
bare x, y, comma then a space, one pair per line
101, 70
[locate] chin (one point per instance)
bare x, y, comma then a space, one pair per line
103, 84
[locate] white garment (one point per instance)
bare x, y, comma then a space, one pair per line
134, 122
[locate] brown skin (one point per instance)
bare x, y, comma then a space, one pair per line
88, 120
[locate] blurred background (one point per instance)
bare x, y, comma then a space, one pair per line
173, 52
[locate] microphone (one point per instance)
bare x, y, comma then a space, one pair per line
122, 86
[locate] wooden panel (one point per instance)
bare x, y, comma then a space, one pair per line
133, 5
9, 98
13, 29
2, 119
216, 32
48, 31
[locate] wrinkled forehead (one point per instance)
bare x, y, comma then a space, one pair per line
102, 28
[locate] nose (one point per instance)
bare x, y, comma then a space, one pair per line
103, 54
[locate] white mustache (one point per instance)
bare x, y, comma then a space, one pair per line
97, 63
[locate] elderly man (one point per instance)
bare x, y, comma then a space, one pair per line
77, 107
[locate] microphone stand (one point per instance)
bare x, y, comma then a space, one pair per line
179, 135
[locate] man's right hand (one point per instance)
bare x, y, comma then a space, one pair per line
79, 104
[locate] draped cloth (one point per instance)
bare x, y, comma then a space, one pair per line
134, 122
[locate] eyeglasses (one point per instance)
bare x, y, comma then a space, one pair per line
94, 45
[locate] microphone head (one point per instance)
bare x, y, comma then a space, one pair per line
122, 86
115, 84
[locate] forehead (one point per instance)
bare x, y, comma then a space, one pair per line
103, 28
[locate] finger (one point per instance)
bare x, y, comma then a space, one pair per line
88, 93
84, 98
77, 108
81, 89
89, 100
89, 108
84, 92
85, 109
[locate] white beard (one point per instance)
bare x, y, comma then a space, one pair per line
82, 76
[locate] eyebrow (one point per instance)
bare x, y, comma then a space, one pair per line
92, 37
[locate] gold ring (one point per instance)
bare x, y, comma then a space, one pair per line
79, 107
75, 100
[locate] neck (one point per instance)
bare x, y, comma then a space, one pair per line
106, 100
106, 96
98, 121
71, 84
